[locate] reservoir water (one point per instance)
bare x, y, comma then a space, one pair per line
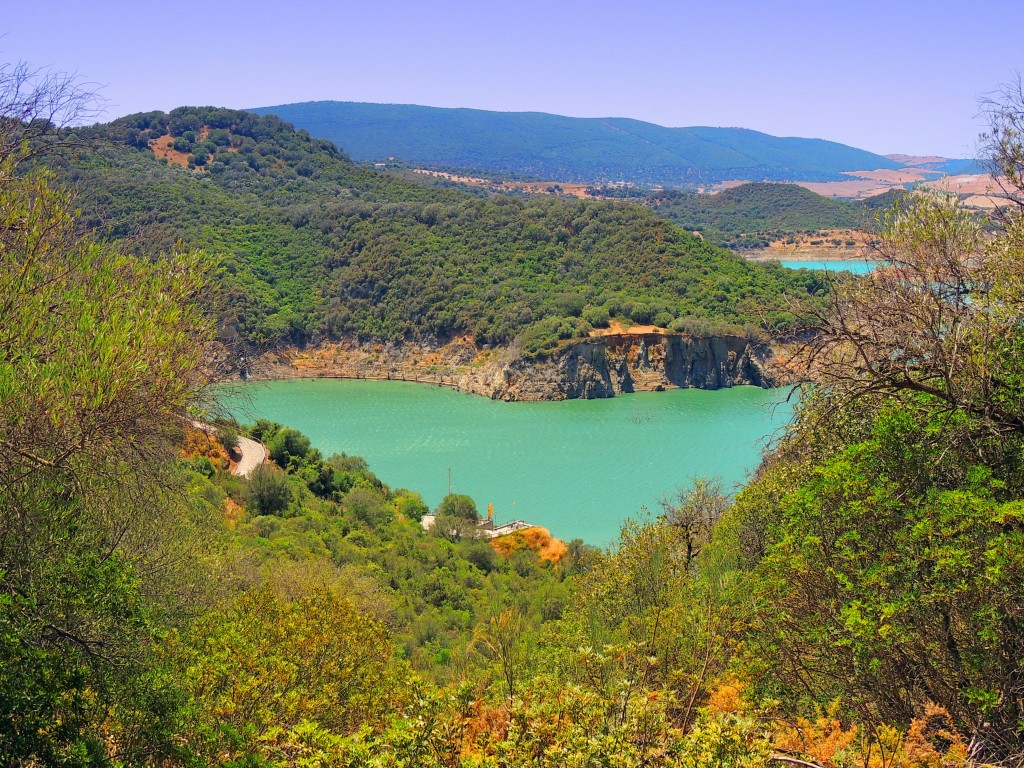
576, 467
857, 267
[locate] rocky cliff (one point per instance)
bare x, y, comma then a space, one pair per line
606, 366
602, 366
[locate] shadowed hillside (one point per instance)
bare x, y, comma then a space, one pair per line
571, 149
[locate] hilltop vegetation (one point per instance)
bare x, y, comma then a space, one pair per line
754, 215
314, 247
569, 149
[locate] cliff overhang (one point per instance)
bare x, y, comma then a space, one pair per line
595, 367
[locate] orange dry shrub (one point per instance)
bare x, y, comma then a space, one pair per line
233, 512
824, 740
536, 538
487, 725
931, 742
198, 443
726, 697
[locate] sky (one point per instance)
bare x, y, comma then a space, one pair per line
886, 76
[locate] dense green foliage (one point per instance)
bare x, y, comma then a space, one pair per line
886, 532
314, 247
893, 571
754, 215
552, 147
99, 353
458, 505
430, 590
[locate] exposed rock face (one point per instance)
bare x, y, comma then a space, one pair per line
609, 365
598, 367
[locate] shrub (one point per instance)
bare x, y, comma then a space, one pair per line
663, 319
288, 444
366, 506
411, 505
597, 316
458, 505
268, 492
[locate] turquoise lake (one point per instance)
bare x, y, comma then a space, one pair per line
856, 267
576, 467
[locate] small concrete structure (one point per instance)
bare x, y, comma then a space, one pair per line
506, 528
487, 527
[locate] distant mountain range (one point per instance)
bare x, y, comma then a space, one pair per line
573, 149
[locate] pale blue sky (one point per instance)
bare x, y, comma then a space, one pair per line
884, 76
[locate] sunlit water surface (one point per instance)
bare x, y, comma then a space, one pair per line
577, 467
861, 267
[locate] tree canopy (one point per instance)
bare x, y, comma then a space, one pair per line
314, 247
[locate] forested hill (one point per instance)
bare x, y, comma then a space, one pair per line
571, 149
753, 215
315, 247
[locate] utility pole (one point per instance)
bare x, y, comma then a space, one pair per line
449, 481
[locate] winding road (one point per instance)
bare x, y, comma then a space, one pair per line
251, 455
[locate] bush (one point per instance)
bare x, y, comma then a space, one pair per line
264, 429
366, 506
455, 528
482, 555
458, 505
268, 492
543, 337
287, 444
597, 316
227, 433
200, 464
411, 505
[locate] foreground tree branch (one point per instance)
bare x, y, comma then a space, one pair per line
936, 318
35, 104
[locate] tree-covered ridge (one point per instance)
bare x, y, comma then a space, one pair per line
315, 247
569, 149
754, 215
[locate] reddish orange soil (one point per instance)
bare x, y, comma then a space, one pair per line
163, 147
616, 328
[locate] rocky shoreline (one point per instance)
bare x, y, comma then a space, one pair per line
596, 367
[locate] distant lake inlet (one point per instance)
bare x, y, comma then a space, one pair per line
857, 267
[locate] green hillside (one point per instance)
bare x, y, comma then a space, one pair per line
752, 215
316, 247
571, 149
857, 604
